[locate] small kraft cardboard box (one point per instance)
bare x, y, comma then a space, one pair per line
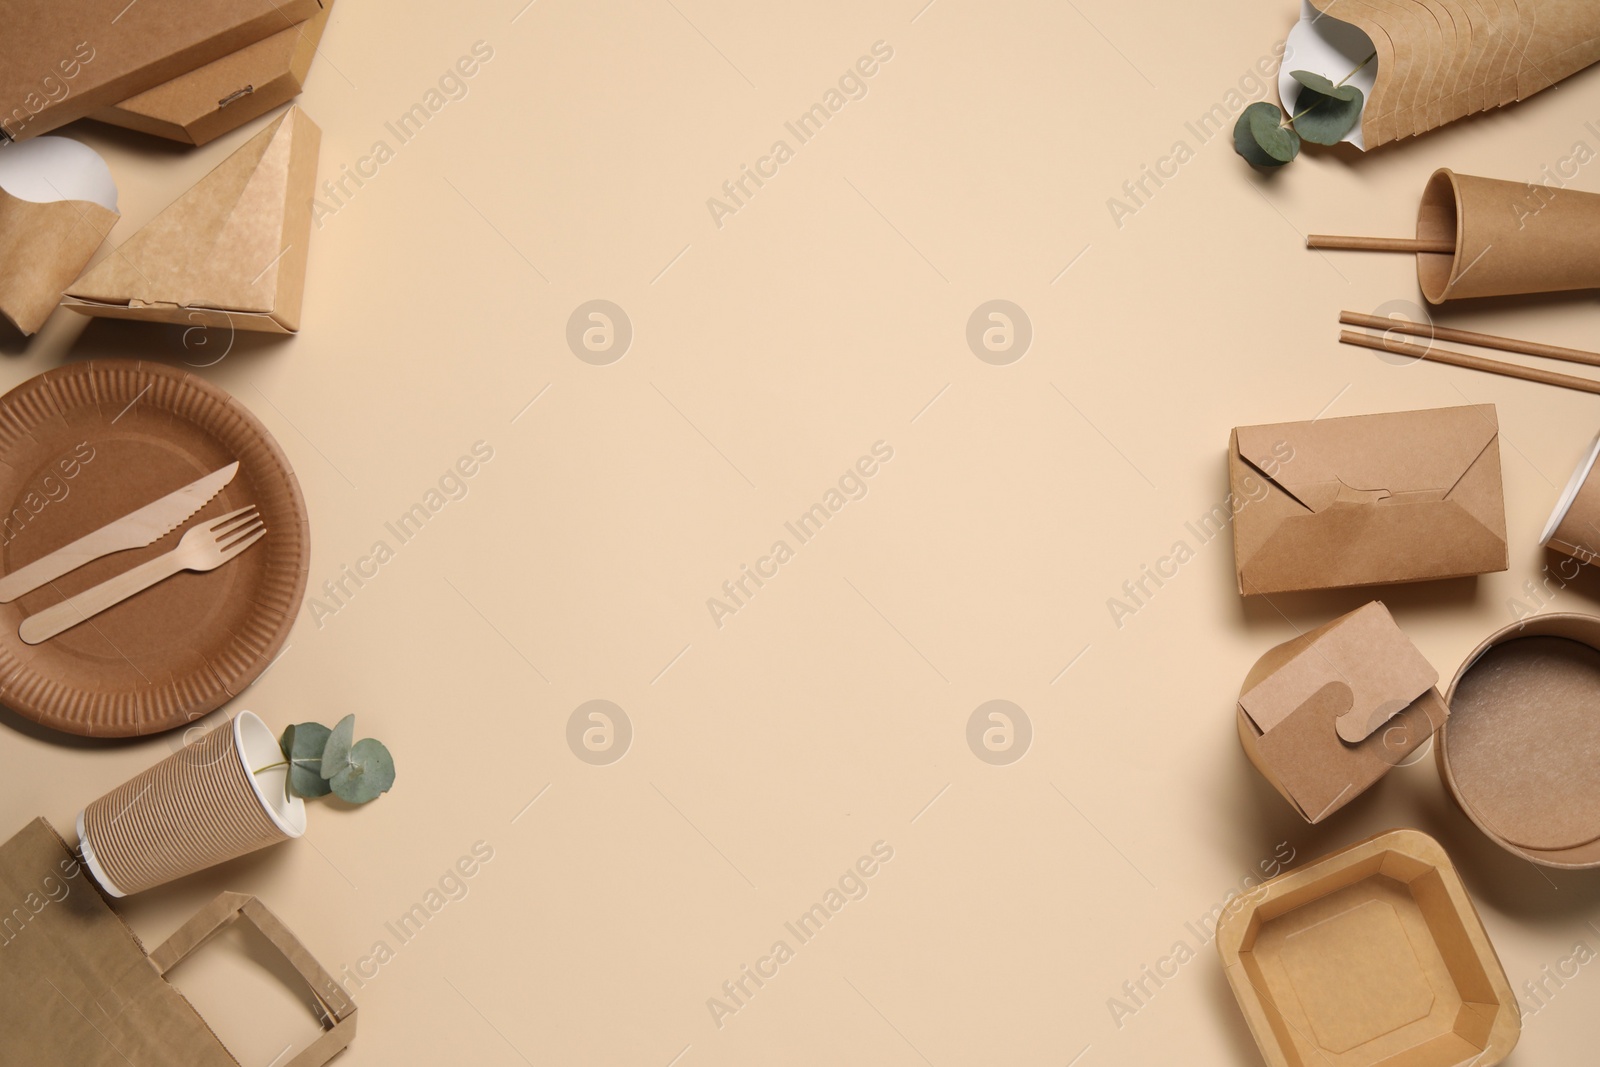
202, 105
1326, 715
1368, 499
60, 61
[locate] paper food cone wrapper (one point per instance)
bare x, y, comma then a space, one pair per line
57, 203
1510, 237
198, 807
229, 252
1441, 60
1574, 526
1559, 37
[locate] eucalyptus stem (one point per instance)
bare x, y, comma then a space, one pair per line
1284, 125
285, 763
1353, 73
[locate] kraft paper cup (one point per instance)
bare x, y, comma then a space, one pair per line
1510, 237
1574, 526
198, 807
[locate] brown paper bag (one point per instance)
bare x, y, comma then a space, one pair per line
78, 990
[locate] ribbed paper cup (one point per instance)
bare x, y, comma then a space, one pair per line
1574, 526
198, 807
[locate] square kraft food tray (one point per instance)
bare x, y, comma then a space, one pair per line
1370, 957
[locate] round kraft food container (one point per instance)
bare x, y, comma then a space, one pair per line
1521, 750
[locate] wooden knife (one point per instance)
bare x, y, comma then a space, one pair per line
136, 529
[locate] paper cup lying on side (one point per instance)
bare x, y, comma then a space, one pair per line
57, 203
197, 808
1510, 237
1574, 526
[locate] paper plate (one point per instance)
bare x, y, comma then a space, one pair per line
85, 444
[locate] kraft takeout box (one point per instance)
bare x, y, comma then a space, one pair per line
230, 252
226, 93
1521, 755
60, 61
57, 203
1327, 714
1368, 499
1371, 957
79, 990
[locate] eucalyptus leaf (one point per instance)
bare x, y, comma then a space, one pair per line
370, 772
1262, 139
1324, 119
1322, 86
302, 746
336, 754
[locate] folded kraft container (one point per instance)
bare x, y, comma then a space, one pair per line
1521, 754
1371, 957
1327, 714
60, 61
1367, 499
79, 990
230, 252
223, 95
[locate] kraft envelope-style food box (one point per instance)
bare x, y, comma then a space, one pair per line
223, 95
60, 61
1368, 499
1325, 715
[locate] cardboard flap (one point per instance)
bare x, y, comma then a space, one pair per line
1378, 672
1411, 456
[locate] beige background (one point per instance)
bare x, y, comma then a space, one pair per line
829, 713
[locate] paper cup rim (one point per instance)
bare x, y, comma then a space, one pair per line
291, 817
1570, 493
86, 852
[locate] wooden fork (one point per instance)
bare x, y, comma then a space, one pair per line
205, 547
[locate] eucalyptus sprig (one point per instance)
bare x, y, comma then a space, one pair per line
323, 761
1327, 111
